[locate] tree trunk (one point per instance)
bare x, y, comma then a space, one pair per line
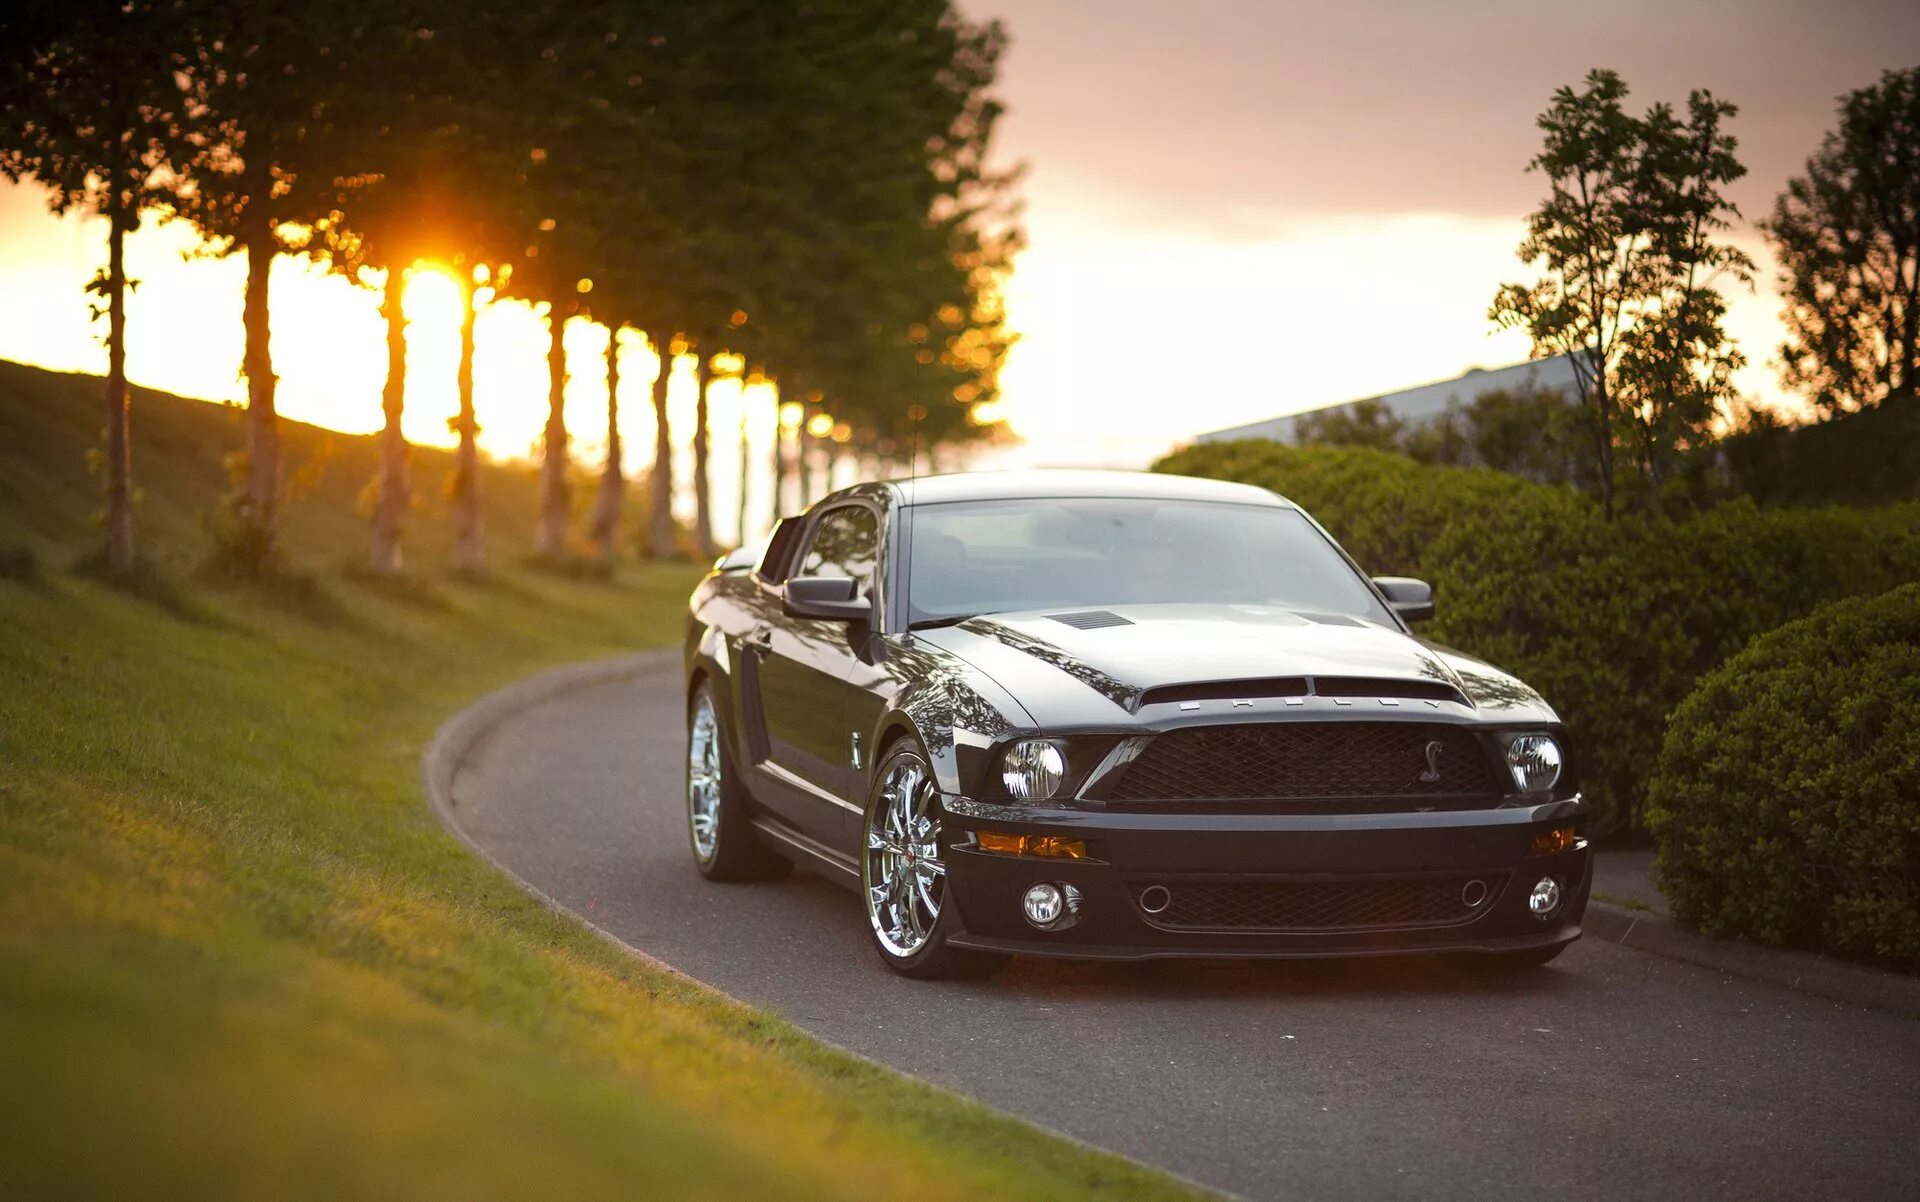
802, 471
119, 465
613, 480
778, 501
469, 537
395, 490
262, 511
702, 486
552, 539
660, 521
1603, 445
746, 463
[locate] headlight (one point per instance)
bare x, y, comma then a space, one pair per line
1534, 761
1032, 770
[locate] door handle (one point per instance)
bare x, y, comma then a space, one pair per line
761, 640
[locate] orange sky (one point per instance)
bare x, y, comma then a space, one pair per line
1237, 208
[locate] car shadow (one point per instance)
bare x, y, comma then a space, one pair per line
1197, 980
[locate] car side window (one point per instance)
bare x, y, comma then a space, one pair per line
846, 543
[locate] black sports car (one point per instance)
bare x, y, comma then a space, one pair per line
1118, 716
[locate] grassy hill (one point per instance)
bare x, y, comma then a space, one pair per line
239, 959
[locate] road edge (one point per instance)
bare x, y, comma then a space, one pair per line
1804, 972
460, 734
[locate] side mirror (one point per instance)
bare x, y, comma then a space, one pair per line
1411, 599
831, 598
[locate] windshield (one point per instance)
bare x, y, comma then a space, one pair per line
980, 557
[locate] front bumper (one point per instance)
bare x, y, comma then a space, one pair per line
1266, 856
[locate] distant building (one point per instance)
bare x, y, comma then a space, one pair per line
1418, 406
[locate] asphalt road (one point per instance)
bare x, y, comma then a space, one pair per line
1613, 1073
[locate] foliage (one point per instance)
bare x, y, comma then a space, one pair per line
1847, 234
1530, 431
96, 113
1613, 622
1628, 247
1368, 423
1864, 458
800, 182
18, 562
1787, 799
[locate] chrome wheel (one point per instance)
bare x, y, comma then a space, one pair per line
703, 778
902, 875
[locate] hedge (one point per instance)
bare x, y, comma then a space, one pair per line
1787, 798
1613, 622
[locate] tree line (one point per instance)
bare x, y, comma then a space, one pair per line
1631, 249
797, 188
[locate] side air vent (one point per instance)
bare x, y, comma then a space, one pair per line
1366, 686
1092, 619
1227, 690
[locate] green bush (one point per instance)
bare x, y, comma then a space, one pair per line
1787, 798
1614, 623
1864, 458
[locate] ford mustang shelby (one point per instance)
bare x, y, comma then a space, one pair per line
1118, 716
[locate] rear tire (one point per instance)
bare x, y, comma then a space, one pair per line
719, 811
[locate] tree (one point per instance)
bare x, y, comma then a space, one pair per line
1677, 366
443, 157
469, 532
1627, 245
270, 76
612, 494
1367, 423
95, 114
702, 484
1847, 235
1528, 431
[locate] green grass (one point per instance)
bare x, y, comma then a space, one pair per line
239, 958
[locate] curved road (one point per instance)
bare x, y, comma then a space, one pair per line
1613, 1073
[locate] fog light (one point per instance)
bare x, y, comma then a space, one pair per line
1044, 904
1543, 901
1551, 842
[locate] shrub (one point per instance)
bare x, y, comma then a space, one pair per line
1863, 458
1787, 799
18, 562
1614, 623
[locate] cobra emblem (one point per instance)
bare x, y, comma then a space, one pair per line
1432, 774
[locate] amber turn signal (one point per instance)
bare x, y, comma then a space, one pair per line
1551, 842
1033, 845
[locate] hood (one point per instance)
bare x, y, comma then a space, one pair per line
1119, 653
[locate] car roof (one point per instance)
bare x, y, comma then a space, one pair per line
1019, 485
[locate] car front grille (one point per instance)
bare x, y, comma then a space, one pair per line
1283, 761
1318, 905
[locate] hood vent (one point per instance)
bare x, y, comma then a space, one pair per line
1366, 686
1092, 619
1227, 690
1334, 620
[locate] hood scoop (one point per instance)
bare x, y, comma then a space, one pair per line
1361, 686
1092, 619
1386, 691
1227, 690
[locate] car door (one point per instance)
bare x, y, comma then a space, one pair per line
817, 683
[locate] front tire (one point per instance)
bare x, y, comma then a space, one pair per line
903, 880
719, 817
